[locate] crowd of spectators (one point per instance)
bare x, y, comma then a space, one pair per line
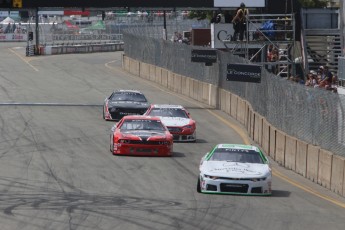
323, 79
11, 28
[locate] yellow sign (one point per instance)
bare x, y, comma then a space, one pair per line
17, 3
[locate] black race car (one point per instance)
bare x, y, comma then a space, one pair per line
124, 102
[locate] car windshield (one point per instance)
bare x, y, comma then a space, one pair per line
142, 125
168, 112
236, 155
128, 96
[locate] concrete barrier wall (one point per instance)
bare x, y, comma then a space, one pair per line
241, 110
325, 168
290, 152
338, 175
144, 70
258, 128
265, 136
233, 105
272, 146
280, 147
310, 161
301, 157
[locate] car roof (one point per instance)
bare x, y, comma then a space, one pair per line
237, 146
127, 91
140, 117
167, 106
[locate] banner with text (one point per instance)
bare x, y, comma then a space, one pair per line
244, 73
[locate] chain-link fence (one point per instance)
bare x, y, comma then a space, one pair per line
313, 115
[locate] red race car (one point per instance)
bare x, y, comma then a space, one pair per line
141, 135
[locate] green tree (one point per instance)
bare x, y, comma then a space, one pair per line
314, 3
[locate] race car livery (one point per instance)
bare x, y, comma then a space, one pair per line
235, 169
124, 102
177, 119
141, 135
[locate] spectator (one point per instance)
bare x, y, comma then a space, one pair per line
239, 22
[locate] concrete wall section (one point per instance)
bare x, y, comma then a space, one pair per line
213, 95
158, 75
165, 78
228, 102
337, 178
313, 162
301, 158
325, 168
134, 67
144, 70
152, 73
257, 128
170, 81
265, 143
222, 99
272, 146
280, 147
241, 110
125, 62
233, 107
185, 85
290, 152
178, 84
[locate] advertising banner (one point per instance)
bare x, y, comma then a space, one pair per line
13, 37
206, 56
244, 73
237, 3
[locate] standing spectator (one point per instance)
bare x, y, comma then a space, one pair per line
326, 77
240, 23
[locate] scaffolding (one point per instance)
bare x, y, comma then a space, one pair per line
267, 33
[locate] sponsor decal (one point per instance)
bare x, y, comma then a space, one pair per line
244, 73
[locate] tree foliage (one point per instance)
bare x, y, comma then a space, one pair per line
314, 3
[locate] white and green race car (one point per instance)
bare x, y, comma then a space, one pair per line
235, 169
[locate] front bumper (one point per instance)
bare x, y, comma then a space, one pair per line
240, 187
142, 149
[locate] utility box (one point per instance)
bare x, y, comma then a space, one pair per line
201, 37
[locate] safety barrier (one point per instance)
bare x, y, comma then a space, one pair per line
88, 48
310, 161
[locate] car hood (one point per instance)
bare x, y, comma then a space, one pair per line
126, 104
175, 121
143, 134
234, 169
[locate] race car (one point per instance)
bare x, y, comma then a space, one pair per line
124, 102
141, 135
177, 119
235, 169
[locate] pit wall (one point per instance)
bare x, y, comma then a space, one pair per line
310, 161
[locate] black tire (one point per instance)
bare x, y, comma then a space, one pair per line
103, 113
198, 188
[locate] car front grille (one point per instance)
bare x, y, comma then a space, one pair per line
238, 188
174, 129
147, 142
118, 113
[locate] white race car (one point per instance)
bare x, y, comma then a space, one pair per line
235, 169
177, 119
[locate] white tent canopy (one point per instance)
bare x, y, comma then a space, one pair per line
7, 20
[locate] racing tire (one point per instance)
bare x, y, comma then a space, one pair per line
198, 189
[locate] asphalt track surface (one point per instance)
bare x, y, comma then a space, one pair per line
56, 171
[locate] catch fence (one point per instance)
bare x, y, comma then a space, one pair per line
313, 115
